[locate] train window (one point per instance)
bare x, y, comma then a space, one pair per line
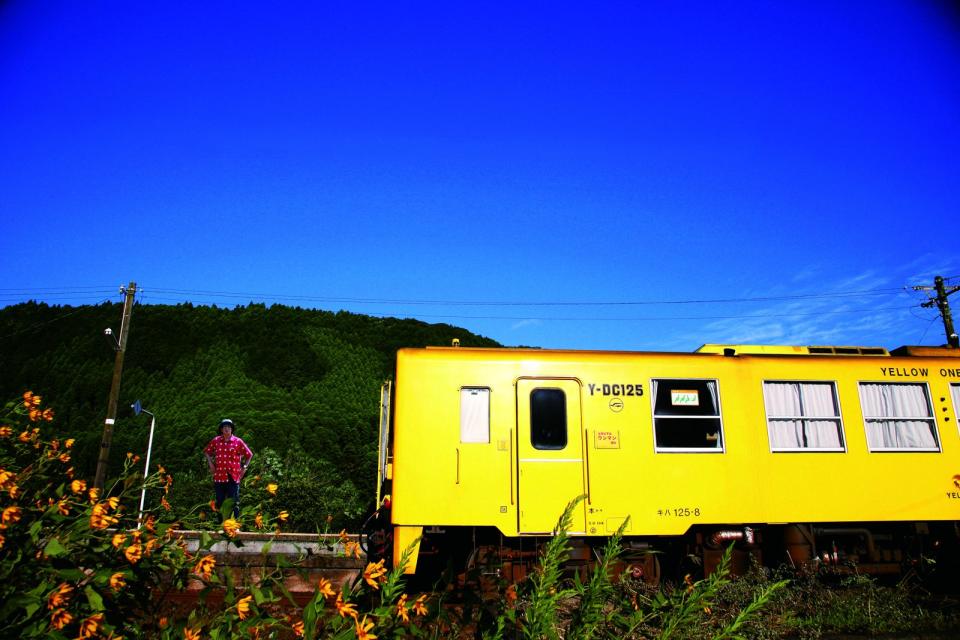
955, 392
686, 415
803, 416
898, 417
548, 419
474, 414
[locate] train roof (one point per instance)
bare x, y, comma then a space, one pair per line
747, 350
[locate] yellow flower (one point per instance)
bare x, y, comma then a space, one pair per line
90, 627
118, 539
5, 477
78, 486
345, 608
373, 572
258, 521
363, 629
298, 628
24, 437
48, 415
117, 581
11, 515
60, 618
352, 549
5, 431
243, 607
100, 517
165, 504
64, 458
230, 527
60, 597
93, 494
2, 540
113, 502
63, 507
36, 400
272, 488
14, 491
344, 537
69, 442
420, 607
134, 552
402, 608
325, 588
204, 567
191, 634
283, 516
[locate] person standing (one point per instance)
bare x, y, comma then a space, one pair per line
228, 458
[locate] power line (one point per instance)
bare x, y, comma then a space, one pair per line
514, 303
51, 321
618, 318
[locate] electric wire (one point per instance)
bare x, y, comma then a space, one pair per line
49, 322
618, 318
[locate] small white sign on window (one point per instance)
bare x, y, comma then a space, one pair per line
684, 398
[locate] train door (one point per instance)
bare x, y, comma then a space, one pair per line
549, 453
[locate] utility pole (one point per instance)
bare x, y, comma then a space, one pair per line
120, 346
941, 302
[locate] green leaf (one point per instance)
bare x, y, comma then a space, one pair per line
205, 540
54, 549
31, 608
96, 602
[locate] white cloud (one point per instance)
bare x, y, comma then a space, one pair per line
533, 322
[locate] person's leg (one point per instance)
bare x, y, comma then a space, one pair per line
220, 491
235, 494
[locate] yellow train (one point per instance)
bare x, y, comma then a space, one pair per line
799, 454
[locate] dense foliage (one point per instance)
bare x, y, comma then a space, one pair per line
303, 387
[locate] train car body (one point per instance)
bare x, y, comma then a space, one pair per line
719, 443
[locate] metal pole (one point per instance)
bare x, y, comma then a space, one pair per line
146, 468
944, 307
104, 457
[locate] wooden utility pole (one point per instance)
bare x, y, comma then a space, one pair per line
941, 302
121, 347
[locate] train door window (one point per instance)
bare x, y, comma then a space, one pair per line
898, 417
474, 414
548, 419
803, 416
955, 392
686, 416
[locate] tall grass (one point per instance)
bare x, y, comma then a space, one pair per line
550, 606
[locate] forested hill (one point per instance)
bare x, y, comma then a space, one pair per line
302, 386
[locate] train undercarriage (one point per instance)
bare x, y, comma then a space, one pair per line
929, 550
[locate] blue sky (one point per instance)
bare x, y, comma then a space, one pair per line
582, 163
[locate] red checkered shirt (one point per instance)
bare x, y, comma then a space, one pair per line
226, 457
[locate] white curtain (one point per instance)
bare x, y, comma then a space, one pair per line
897, 416
790, 405
955, 392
